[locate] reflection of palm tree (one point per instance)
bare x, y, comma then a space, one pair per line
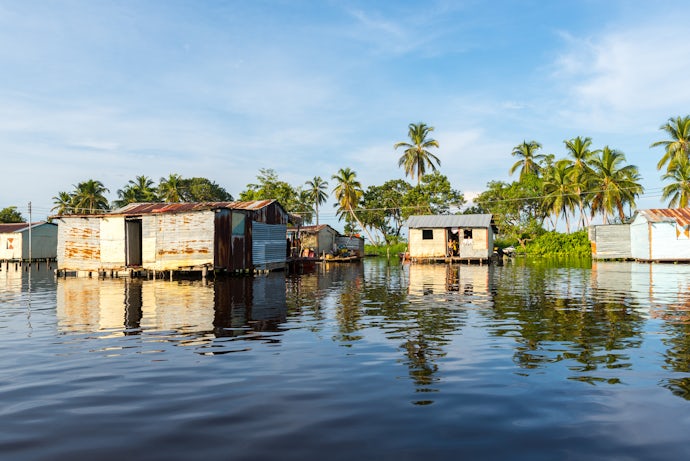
678, 146
529, 160
348, 192
317, 193
89, 197
417, 156
678, 190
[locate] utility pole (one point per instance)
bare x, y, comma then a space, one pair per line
30, 225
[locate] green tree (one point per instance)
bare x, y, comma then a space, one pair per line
417, 156
433, 196
678, 146
89, 197
11, 215
169, 189
317, 192
203, 190
348, 192
138, 190
270, 187
614, 184
678, 191
63, 203
528, 162
383, 208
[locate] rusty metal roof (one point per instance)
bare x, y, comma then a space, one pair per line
138, 209
679, 215
9, 228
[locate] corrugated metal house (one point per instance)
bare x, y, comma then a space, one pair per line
353, 243
317, 240
661, 235
14, 241
610, 241
226, 236
454, 237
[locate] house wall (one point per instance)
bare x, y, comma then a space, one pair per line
43, 242
611, 241
181, 240
269, 244
112, 242
11, 245
433, 248
78, 245
658, 241
480, 246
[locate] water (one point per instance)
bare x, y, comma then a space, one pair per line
373, 361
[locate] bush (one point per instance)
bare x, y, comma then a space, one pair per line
558, 244
381, 250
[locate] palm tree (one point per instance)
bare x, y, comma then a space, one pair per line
348, 192
88, 197
679, 190
63, 203
317, 193
580, 157
529, 161
417, 157
613, 184
678, 146
560, 194
170, 189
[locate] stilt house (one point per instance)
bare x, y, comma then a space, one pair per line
451, 237
15, 241
221, 236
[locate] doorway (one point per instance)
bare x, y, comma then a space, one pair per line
133, 242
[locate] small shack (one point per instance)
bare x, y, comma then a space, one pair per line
450, 238
161, 237
317, 241
610, 241
15, 241
661, 235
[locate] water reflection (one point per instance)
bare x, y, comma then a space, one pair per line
228, 307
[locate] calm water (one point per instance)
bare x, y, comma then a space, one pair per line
526, 361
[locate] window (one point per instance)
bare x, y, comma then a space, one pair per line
467, 234
427, 234
237, 224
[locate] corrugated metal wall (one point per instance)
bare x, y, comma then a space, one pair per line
354, 244
184, 240
611, 241
79, 245
269, 244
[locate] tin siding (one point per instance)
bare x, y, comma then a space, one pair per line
79, 246
184, 240
666, 246
269, 244
149, 225
113, 242
351, 243
43, 242
611, 241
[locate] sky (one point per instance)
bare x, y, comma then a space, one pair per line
110, 90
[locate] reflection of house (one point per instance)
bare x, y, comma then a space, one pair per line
15, 239
319, 241
610, 241
428, 279
226, 236
455, 237
661, 235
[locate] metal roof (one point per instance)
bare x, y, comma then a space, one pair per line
678, 215
8, 228
444, 221
138, 209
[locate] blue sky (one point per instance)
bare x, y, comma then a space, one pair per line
111, 90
